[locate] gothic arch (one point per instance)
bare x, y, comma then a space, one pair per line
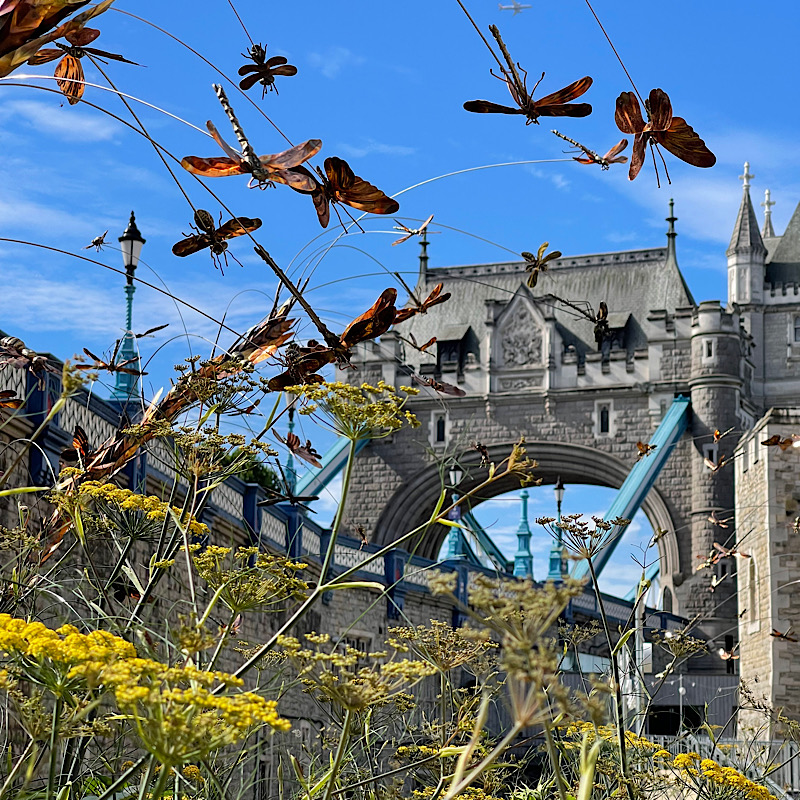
412, 504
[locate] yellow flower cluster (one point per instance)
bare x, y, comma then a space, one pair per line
252, 579
609, 733
358, 412
724, 778
335, 675
685, 760
174, 710
127, 500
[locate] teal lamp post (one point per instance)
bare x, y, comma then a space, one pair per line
558, 567
455, 539
131, 243
523, 560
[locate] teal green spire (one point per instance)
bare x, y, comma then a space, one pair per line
523, 560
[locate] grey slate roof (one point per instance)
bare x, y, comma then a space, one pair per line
783, 265
746, 235
631, 282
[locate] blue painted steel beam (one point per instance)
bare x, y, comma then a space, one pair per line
641, 479
315, 480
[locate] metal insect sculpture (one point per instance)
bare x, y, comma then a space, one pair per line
306, 452
784, 443
263, 70
438, 386
265, 170
419, 306
339, 184
556, 104
409, 232
213, 237
534, 264
590, 157
661, 128
644, 449
97, 242
69, 70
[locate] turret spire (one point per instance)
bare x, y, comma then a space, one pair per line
523, 560
767, 231
423, 258
746, 236
671, 234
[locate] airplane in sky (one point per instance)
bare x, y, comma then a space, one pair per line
515, 6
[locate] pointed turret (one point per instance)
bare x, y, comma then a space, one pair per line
672, 251
784, 263
423, 259
523, 560
746, 253
767, 232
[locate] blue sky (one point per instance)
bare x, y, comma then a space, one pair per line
382, 85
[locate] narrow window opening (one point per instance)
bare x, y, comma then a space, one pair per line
604, 419
440, 429
709, 349
797, 330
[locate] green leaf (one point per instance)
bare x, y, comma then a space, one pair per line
374, 585
23, 490
622, 639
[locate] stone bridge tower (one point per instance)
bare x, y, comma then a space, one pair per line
529, 365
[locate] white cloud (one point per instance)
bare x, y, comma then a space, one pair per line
370, 146
556, 178
70, 125
333, 60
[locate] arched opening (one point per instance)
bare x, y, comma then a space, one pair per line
502, 518
411, 504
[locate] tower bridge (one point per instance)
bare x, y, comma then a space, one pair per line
529, 366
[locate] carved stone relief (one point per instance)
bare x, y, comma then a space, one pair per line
521, 340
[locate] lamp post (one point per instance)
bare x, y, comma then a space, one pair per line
557, 568
455, 549
131, 243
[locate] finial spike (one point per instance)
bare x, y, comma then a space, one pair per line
768, 231
745, 179
671, 233
423, 257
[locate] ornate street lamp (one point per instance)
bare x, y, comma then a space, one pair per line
131, 243
455, 547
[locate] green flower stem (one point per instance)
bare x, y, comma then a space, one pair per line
15, 770
222, 639
51, 776
554, 760
619, 711
306, 606
485, 763
348, 472
57, 406
344, 738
